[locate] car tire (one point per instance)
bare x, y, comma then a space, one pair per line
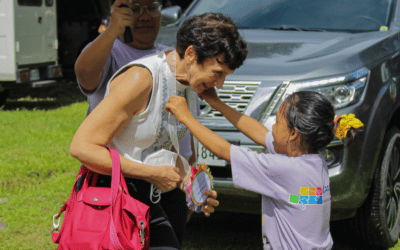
3, 97
377, 221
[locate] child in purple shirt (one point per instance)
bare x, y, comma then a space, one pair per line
293, 177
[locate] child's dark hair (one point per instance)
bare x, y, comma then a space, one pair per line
312, 114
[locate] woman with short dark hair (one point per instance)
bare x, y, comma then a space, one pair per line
212, 34
132, 119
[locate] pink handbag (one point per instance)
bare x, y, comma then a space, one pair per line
103, 217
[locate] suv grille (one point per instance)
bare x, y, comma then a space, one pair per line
236, 94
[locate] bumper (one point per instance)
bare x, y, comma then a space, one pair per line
40, 84
34, 76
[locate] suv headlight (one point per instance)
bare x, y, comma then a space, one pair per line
342, 91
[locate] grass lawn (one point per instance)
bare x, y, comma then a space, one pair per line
37, 174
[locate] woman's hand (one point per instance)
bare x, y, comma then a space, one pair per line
211, 202
120, 17
166, 177
178, 107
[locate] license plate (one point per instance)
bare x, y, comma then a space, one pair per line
203, 155
34, 75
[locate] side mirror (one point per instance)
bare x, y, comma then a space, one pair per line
170, 15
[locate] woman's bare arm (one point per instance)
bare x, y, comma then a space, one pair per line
90, 63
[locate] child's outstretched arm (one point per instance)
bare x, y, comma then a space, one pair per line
247, 125
216, 144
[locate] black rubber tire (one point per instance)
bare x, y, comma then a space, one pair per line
370, 225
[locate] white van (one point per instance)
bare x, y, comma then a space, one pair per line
28, 45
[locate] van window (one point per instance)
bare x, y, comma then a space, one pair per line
49, 3
30, 2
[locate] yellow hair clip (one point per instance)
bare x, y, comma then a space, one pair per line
345, 123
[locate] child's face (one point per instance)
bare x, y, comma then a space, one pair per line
281, 132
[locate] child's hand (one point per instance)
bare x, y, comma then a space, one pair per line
210, 96
211, 202
178, 107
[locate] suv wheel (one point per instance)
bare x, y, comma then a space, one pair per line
377, 220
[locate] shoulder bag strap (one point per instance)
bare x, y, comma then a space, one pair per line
115, 181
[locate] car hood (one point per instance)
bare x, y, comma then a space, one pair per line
296, 55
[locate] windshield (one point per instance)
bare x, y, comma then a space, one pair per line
332, 15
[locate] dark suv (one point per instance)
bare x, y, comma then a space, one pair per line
347, 50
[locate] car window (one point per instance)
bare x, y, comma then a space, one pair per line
30, 2
334, 15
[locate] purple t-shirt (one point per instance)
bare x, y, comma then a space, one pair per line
296, 199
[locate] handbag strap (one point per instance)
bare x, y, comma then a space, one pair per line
73, 194
83, 170
116, 174
116, 179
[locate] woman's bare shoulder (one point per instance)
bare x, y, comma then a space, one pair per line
130, 91
135, 78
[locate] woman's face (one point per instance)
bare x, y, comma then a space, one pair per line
145, 27
210, 73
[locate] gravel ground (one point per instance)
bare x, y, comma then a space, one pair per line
232, 231
223, 231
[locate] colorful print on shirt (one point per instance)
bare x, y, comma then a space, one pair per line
309, 196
